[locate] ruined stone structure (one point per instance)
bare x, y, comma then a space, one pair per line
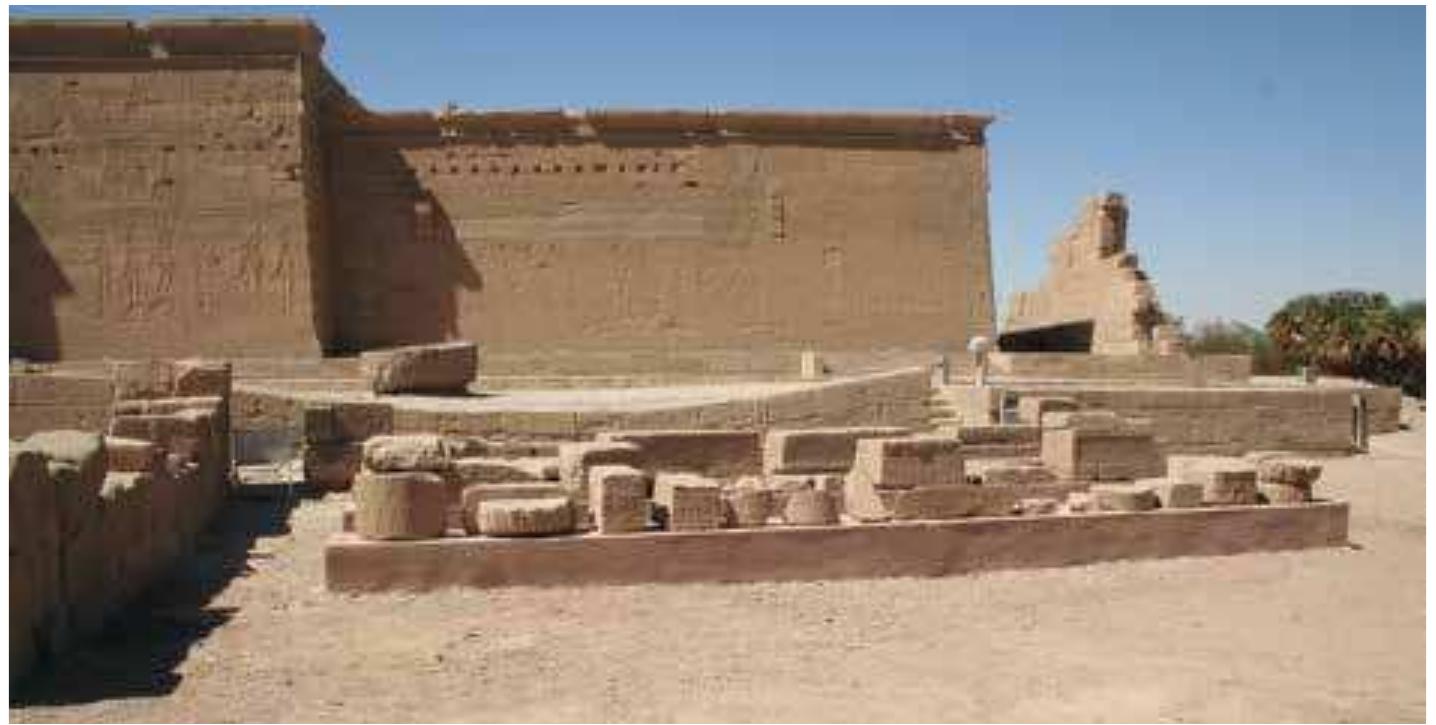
209, 187
1095, 298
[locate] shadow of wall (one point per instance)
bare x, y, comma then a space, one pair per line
35, 281
396, 259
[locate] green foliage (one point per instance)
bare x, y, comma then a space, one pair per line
1229, 337
1355, 334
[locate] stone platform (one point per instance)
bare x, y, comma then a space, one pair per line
928, 548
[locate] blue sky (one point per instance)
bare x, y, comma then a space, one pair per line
1265, 152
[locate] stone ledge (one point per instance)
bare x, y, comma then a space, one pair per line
925, 548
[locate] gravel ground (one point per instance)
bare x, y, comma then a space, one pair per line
247, 633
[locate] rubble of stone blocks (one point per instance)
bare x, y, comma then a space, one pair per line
434, 369
430, 485
96, 516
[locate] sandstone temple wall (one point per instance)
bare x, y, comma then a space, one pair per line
208, 186
581, 235
162, 187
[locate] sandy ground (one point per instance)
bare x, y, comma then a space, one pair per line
248, 633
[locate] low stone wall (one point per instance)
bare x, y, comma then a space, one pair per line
1179, 369
920, 548
896, 398
1233, 421
95, 517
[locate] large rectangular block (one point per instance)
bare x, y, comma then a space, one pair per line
447, 367
688, 502
719, 453
618, 496
818, 450
194, 377
1100, 454
891, 463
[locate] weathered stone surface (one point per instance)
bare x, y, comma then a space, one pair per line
401, 505
810, 507
1031, 408
1284, 493
688, 502
1008, 472
618, 496
1123, 497
167, 406
187, 432
136, 379
1037, 506
1092, 278
1174, 494
934, 502
1289, 471
891, 463
414, 452
346, 422
447, 367
196, 377
132, 455
332, 466
474, 495
1100, 454
818, 450
720, 453
526, 517
1225, 481
496, 470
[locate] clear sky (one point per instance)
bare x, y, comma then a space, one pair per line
1265, 152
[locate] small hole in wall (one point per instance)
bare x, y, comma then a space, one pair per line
691, 184
515, 170
642, 168
453, 169
600, 168
474, 169
538, 168
578, 168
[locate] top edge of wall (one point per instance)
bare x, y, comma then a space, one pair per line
102, 38
956, 126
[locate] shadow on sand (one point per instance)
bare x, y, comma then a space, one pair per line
137, 653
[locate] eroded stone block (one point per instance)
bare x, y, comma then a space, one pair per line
818, 450
894, 463
526, 517
688, 502
447, 367
618, 497
400, 505
413, 452
1123, 497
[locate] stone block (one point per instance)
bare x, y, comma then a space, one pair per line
496, 470
332, 466
1174, 494
526, 517
810, 507
1123, 497
142, 379
1100, 454
346, 422
1037, 507
474, 495
719, 453
1288, 471
1031, 408
195, 377
894, 463
618, 497
447, 367
403, 505
688, 502
132, 455
934, 502
1284, 493
412, 452
575, 460
1225, 481
1009, 472
749, 504
167, 406
818, 450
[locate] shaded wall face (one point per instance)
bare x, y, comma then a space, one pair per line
166, 199
592, 246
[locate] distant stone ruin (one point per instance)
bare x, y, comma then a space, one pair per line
1095, 298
